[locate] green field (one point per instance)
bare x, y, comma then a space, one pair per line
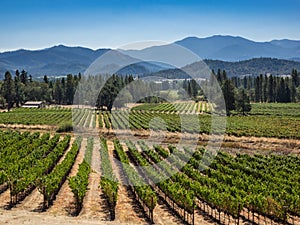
265, 120
36, 116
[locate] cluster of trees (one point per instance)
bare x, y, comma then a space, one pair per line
16, 90
235, 98
239, 92
269, 88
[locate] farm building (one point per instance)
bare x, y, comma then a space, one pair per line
34, 104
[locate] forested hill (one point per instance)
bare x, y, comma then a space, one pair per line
252, 67
255, 66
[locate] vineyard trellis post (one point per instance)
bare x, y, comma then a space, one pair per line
194, 204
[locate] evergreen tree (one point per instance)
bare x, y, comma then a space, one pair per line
110, 91
257, 87
70, 89
264, 88
23, 77
9, 90
228, 92
271, 97
295, 78
260, 88
242, 102
57, 92
17, 75
46, 79
18, 90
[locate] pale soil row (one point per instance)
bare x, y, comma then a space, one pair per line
33, 202
163, 214
41, 128
66, 152
94, 204
296, 220
63, 203
203, 107
127, 209
32, 218
4, 199
88, 123
92, 119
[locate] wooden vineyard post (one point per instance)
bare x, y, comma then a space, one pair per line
238, 214
113, 216
151, 211
194, 212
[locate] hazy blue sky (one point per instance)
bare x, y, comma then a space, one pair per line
34, 24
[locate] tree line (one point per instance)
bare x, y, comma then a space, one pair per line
269, 88
104, 92
16, 90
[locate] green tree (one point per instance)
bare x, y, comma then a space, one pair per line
9, 90
295, 78
23, 77
57, 92
18, 90
271, 89
46, 79
70, 89
228, 92
242, 102
109, 92
257, 89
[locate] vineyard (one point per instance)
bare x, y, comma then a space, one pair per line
177, 108
258, 125
265, 120
29, 116
170, 185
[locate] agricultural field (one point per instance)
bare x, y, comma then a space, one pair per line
36, 116
82, 177
180, 107
265, 120
79, 175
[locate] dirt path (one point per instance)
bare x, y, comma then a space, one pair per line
127, 210
94, 204
33, 202
4, 199
162, 214
32, 218
63, 204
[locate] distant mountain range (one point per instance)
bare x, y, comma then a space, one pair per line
234, 54
55, 61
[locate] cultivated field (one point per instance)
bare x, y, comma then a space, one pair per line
62, 178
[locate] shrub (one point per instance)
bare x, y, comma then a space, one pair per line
65, 127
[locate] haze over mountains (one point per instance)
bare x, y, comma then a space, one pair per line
61, 60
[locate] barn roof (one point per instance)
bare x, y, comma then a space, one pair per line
33, 103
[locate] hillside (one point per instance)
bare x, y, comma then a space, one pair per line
252, 67
255, 66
